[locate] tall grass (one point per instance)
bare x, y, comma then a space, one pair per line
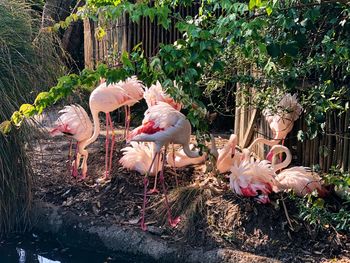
28, 64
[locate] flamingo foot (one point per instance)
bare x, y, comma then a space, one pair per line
174, 221
103, 180
153, 191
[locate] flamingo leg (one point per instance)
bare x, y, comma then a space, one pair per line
176, 180
128, 120
107, 145
125, 120
112, 143
154, 190
175, 221
70, 157
76, 161
145, 184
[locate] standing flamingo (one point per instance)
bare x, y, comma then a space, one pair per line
155, 93
281, 122
74, 122
253, 179
107, 98
298, 178
162, 125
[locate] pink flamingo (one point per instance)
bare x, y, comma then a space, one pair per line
282, 121
74, 122
253, 179
155, 93
138, 157
298, 178
162, 125
107, 99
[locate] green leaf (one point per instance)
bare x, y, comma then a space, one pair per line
17, 118
5, 127
252, 4
269, 10
28, 110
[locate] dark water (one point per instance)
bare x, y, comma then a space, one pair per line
33, 249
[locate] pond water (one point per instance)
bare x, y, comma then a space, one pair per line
42, 249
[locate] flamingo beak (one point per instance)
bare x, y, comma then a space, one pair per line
233, 152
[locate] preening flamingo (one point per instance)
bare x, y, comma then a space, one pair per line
180, 159
138, 157
298, 178
75, 122
228, 155
107, 98
281, 122
162, 125
253, 179
155, 93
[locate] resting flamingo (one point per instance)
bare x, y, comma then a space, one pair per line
282, 121
107, 98
162, 125
298, 178
74, 122
180, 159
252, 178
155, 93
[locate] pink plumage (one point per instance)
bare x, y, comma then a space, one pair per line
107, 98
138, 157
75, 122
163, 125
281, 122
155, 93
300, 179
253, 179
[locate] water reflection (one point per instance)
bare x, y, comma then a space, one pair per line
42, 249
41, 259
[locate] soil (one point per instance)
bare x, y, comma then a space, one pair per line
211, 215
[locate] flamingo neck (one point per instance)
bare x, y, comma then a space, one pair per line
96, 128
264, 141
188, 152
286, 161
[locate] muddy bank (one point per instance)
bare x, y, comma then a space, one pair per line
80, 231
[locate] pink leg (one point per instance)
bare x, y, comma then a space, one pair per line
176, 181
75, 166
145, 184
128, 121
154, 190
112, 144
175, 221
107, 146
125, 120
69, 166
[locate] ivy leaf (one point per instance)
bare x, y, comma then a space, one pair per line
252, 4
28, 110
17, 118
5, 127
269, 10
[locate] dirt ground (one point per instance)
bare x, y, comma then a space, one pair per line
211, 215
